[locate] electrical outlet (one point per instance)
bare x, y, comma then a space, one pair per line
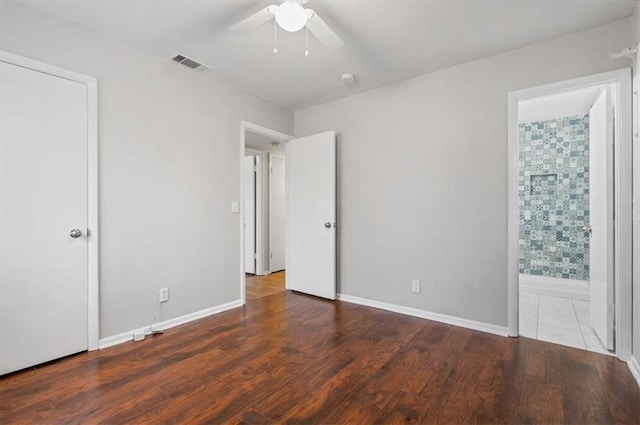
416, 286
164, 295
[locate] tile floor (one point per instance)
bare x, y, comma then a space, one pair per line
559, 320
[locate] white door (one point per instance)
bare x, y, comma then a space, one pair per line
277, 213
601, 283
250, 214
311, 214
43, 197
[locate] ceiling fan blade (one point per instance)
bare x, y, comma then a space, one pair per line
322, 32
256, 20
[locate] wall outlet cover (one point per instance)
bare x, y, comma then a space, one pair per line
164, 295
416, 286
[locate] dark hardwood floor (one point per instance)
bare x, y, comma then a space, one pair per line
261, 286
290, 358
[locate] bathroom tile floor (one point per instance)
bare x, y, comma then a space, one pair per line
559, 320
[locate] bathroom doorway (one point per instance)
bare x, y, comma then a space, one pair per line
568, 142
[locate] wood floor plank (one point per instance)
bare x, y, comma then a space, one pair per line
261, 286
583, 404
292, 358
541, 402
619, 387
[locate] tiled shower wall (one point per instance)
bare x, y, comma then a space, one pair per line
554, 198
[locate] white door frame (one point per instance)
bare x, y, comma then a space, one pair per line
260, 269
622, 193
93, 258
244, 126
271, 155
257, 212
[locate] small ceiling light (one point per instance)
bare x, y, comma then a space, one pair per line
275, 144
291, 16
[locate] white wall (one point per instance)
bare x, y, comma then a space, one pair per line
422, 175
169, 168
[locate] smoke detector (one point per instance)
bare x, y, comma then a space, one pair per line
348, 79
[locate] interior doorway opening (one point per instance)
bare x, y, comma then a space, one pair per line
569, 260
263, 211
565, 256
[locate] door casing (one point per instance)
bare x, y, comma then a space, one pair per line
251, 225
273, 156
93, 233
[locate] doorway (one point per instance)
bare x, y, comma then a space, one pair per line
48, 219
309, 205
264, 212
569, 143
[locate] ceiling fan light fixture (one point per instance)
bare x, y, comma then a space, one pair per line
291, 16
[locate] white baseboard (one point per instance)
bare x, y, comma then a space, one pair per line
634, 366
553, 286
423, 314
128, 336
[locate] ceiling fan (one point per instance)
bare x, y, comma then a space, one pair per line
291, 16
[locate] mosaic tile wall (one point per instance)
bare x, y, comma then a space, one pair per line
554, 198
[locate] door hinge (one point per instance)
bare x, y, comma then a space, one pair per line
255, 256
271, 255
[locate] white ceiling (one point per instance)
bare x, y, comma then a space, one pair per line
558, 105
261, 142
385, 40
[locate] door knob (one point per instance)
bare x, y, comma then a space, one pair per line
587, 229
327, 225
75, 233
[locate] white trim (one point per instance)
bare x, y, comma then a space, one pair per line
623, 196
271, 155
262, 268
259, 217
554, 286
258, 249
167, 324
636, 215
93, 258
634, 367
424, 314
244, 126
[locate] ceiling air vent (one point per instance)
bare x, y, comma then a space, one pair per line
190, 63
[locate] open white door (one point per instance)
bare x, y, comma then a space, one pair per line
250, 214
601, 282
277, 213
311, 214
